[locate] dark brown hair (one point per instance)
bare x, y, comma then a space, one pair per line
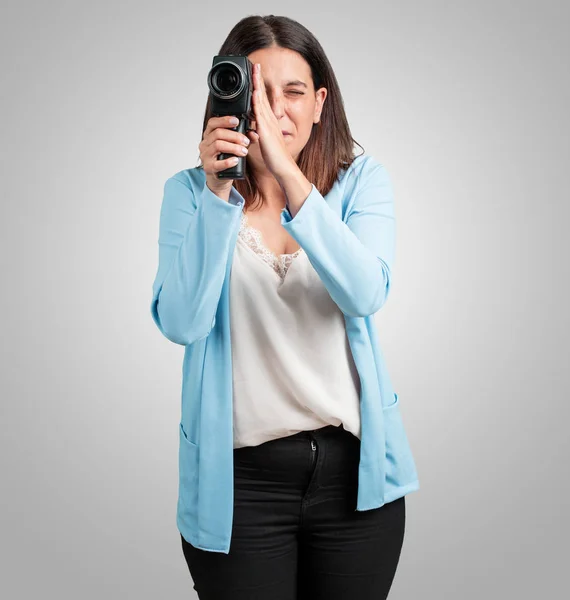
330, 145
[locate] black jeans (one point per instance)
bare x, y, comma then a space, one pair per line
296, 534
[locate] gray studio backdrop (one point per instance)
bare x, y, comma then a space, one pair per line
466, 103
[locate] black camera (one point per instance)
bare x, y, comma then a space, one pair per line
231, 87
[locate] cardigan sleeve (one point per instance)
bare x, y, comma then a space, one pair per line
354, 259
193, 248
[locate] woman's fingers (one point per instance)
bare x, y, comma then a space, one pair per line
223, 146
215, 122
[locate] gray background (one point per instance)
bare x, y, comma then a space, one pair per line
466, 103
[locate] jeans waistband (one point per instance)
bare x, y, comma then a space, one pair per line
322, 432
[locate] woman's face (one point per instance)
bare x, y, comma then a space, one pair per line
291, 94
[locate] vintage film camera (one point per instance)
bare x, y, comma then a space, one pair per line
231, 87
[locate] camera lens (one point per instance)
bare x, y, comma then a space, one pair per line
226, 80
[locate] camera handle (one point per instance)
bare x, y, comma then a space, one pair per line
238, 170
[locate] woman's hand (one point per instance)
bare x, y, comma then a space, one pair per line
267, 132
219, 138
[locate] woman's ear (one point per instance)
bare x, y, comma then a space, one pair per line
321, 96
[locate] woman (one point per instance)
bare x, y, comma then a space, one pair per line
293, 459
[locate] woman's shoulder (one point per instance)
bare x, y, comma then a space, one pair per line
363, 164
363, 168
192, 177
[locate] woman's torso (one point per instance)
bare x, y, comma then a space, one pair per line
292, 365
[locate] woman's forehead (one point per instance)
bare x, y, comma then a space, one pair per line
281, 66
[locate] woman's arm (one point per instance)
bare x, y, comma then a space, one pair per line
353, 259
194, 242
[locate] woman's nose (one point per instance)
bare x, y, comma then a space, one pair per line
276, 103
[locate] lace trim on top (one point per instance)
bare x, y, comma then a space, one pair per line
253, 238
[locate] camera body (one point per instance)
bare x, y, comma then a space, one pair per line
231, 87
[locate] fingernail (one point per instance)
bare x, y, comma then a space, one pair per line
234, 121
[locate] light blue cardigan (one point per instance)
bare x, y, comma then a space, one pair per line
349, 238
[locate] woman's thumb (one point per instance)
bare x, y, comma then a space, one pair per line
252, 135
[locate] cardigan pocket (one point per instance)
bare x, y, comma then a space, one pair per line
188, 476
400, 466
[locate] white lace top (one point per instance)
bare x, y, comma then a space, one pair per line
254, 239
292, 365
